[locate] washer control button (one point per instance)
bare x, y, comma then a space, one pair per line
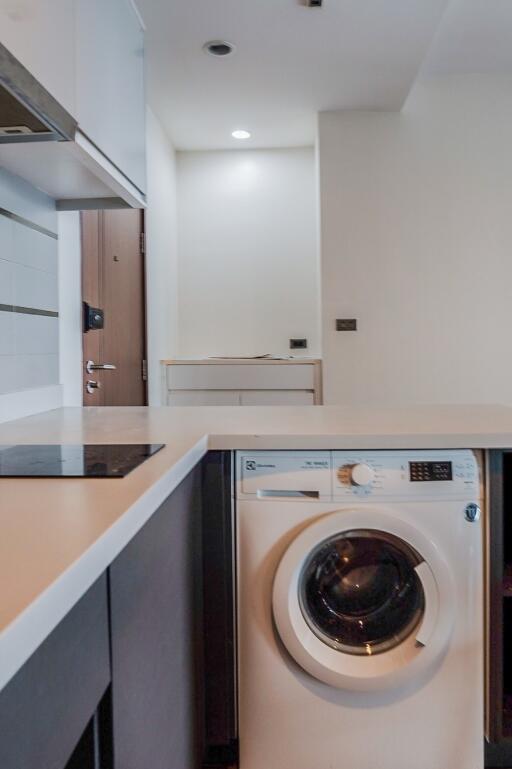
362, 475
344, 475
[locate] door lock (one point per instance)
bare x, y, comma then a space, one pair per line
91, 385
94, 318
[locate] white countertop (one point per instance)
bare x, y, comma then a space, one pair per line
58, 535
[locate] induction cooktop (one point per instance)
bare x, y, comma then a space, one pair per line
74, 461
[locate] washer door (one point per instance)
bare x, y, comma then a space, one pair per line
363, 601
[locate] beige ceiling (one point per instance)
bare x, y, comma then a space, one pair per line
292, 61
475, 37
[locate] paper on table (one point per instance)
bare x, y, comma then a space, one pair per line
267, 356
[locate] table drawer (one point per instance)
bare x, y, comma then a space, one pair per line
241, 377
203, 398
277, 398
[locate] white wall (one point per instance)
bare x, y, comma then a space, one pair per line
417, 245
161, 254
247, 237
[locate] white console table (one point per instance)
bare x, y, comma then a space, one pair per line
242, 382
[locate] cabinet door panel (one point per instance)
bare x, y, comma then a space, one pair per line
203, 398
110, 83
47, 705
155, 615
41, 34
277, 398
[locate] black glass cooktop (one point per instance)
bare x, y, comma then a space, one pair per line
74, 461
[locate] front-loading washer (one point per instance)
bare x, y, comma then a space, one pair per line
359, 610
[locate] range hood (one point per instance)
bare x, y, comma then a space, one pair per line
43, 144
28, 112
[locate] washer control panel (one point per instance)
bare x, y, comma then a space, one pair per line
358, 474
430, 471
399, 473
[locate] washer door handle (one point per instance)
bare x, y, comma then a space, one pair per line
431, 613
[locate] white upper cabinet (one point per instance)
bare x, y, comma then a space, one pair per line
89, 54
41, 34
110, 103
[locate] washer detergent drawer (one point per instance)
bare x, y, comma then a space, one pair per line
271, 474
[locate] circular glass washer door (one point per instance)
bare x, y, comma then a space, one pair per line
359, 591
363, 600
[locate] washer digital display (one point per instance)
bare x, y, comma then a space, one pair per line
430, 471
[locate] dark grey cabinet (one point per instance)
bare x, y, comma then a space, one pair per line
140, 673
46, 707
498, 746
219, 685
155, 602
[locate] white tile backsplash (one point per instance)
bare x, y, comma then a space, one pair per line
8, 374
34, 249
34, 371
6, 282
29, 343
35, 334
27, 372
7, 346
22, 199
35, 288
6, 238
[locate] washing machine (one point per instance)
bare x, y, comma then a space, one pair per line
359, 610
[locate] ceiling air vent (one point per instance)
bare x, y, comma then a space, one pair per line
314, 3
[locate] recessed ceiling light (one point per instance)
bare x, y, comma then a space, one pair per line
241, 133
219, 48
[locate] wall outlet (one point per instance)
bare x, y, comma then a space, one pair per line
346, 324
298, 344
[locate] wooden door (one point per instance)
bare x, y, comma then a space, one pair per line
113, 280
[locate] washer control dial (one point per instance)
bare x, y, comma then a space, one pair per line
361, 474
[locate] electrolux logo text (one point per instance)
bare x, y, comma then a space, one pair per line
250, 464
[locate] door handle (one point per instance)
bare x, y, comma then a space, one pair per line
91, 366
